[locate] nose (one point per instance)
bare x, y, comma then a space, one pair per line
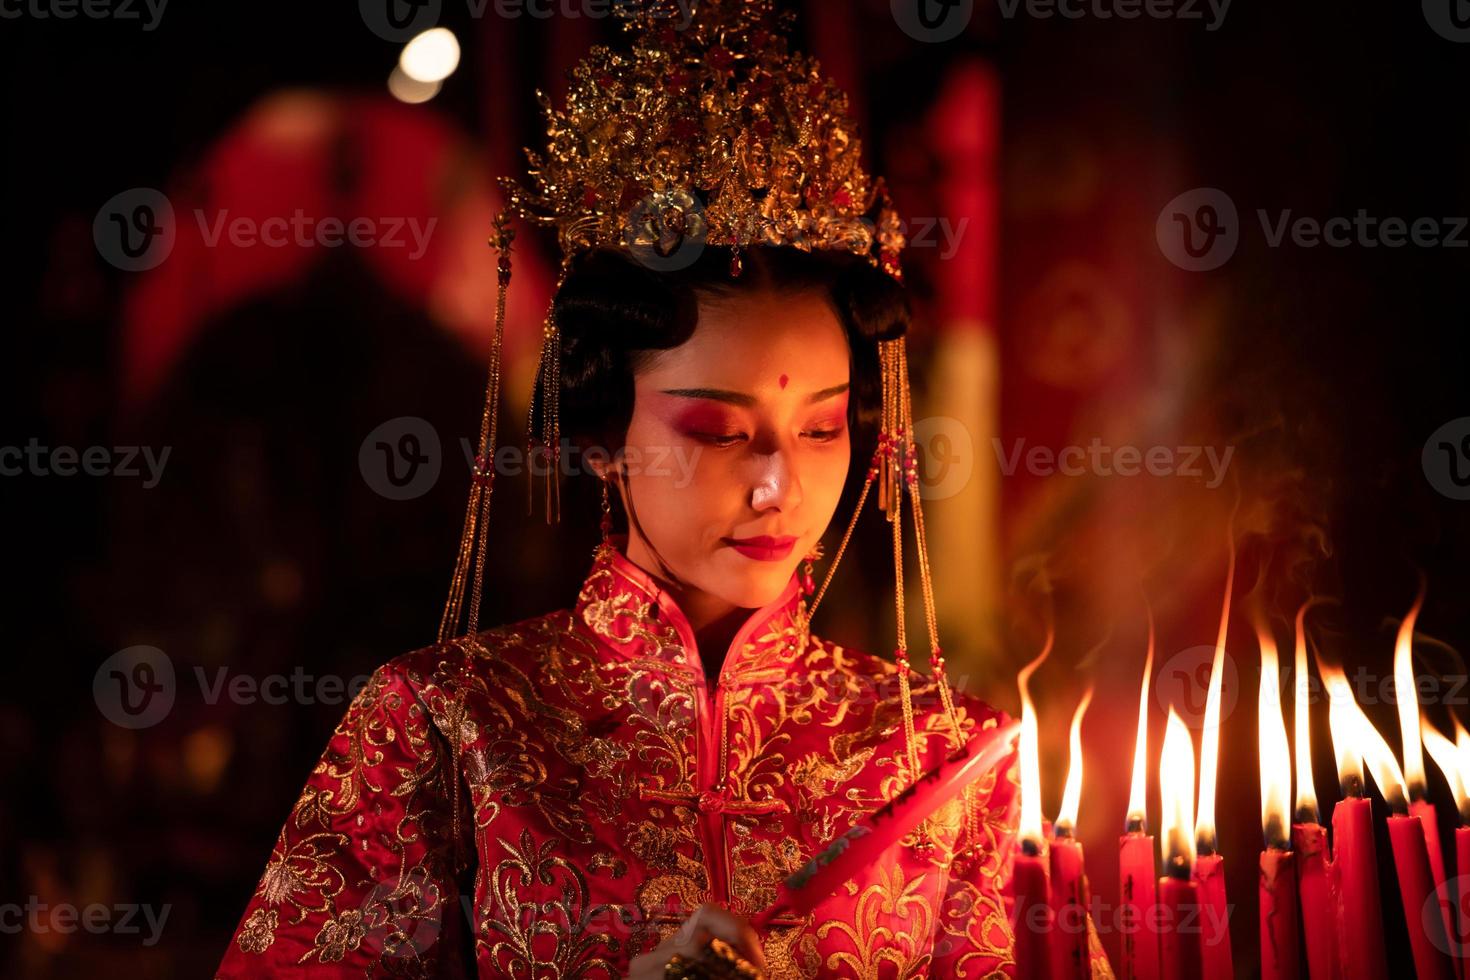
777, 483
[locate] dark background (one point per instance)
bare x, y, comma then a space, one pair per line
265, 551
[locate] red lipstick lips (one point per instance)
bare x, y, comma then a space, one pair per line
764, 547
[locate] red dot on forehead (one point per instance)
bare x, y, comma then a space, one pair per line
784, 379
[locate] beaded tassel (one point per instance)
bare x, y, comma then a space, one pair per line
894, 470
477, 510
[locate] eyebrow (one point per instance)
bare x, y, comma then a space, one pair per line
742, 399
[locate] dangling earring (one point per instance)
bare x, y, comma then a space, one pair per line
808, 583
606, 514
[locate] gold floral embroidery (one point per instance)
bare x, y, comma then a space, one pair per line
340, 935
259, 931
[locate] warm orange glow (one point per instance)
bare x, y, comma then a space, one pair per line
1306, 790
1030, 825
1275, 752
1209, 751
1448, 758
1072, 794
1176, 791
1462, 752
1408, 700
1355, 742
1137, 793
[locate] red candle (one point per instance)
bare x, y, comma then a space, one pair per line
1033, 912
1214, 918
1070, 958
1308, 838
1138, 893
1279, 903
1309, 841
1460, 921
1416, 888
1429, 820
1355, 867
1280, 942
1179, 935
1181, 917
1138, 918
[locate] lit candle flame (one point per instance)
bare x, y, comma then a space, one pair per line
1408, 698
1275, 752
1306, 790
1209, 751
1451, 761
1072, 794
1030, 825
1355, 741
1137, 802
1176, 792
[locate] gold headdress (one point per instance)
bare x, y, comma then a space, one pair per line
708, 133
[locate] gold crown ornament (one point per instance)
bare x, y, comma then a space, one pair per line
707, 132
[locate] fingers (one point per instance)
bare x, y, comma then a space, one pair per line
734, 930
693, 934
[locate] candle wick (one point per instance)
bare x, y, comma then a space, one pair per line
1061, 830
1030, 848
1136, 825
1178, 868
1306, 814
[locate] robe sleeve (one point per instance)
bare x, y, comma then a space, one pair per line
366, 876
973, 936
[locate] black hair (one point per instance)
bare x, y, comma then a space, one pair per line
614, 312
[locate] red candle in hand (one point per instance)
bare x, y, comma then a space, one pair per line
1034, 924
1309, 841
1138, 915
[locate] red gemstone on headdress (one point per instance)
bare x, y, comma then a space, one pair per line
678, 78
683, 128
589, 197
719, 58
763, 128
759, 37
843, 198
668, 37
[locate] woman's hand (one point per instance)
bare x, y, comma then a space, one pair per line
708, 922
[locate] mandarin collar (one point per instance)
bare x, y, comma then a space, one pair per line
632, 616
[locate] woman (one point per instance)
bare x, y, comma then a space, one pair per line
614, 789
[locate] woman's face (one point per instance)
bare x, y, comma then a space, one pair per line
738, 446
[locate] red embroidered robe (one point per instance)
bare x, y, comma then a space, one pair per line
552, 797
